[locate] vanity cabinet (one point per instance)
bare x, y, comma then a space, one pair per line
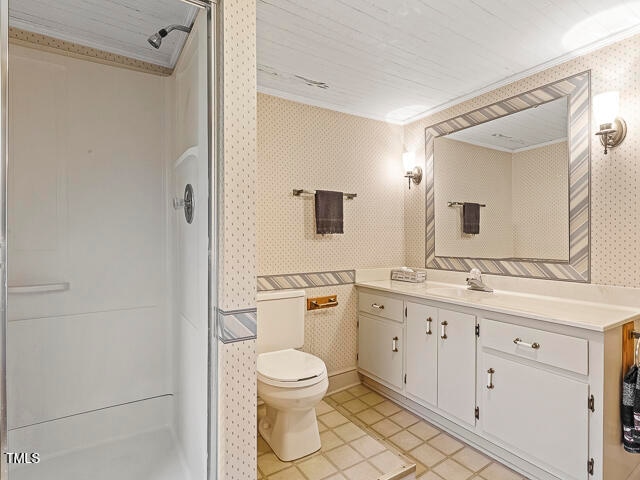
440, 360
536, 412
381, 337
381, 349
534, 393
539, 394
457, 364
422, 353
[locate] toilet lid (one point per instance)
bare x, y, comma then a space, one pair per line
289, 366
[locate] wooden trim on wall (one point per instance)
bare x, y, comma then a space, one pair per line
45, 43
628, 347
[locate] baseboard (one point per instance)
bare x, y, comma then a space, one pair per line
338, 381
342, 380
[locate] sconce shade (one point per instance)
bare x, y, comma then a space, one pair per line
612, 129
408, 161
412, 171
605, 107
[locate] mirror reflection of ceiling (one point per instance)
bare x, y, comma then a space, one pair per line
398, 60
115, 26
536, 127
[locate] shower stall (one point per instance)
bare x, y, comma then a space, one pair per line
108, 145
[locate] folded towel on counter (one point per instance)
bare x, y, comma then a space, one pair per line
329, 215
471, 218
630, 411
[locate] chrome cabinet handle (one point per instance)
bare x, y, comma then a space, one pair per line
379, 307
429, 320
443, 335
534, 345
490, 373
394, 344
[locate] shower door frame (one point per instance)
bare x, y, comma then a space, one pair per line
4, 99
215, 118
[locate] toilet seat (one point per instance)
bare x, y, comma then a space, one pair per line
290, 368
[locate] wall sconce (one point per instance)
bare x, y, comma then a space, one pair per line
613, 129
413, 172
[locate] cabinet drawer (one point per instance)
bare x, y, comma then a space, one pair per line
380, 305
553, 349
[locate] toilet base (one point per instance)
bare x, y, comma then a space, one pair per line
291, 434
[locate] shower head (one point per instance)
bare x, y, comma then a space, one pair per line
156, 39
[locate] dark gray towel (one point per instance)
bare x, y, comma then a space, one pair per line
630, 411
471, 218
329, 212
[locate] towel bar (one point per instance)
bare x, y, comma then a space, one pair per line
459, 204
298, 191
41, 288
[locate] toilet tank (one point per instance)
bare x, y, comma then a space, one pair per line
280, 320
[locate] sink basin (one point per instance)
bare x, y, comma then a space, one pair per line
456, 292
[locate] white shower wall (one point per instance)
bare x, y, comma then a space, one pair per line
86, 206
188, 163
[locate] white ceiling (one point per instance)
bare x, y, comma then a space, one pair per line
398, 60
531, 128
116, 26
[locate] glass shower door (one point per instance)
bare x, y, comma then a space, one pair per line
108, 359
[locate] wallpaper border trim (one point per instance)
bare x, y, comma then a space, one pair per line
46, 43
305, 280
577, 269
237, 325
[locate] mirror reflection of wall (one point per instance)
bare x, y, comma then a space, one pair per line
518, 166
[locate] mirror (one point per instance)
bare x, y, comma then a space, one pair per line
526, 159
517, 166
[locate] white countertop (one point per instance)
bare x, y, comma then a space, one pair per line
587, 315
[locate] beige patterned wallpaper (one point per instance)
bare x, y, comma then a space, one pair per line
615, 178
237, 280
306, 147
331, 334
237, 411
526, 198
469, 173
70, 49
540, 202
238, 243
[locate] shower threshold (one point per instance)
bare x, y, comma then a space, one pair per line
146, 456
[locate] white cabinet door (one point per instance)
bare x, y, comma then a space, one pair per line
457, 364
380, 349
422, 353
541, 414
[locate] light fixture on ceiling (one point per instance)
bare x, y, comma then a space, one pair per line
412, 171
613, 129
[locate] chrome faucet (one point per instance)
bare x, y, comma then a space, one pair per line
475, 282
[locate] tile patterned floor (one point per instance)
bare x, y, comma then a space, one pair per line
437, 455
347, 453
364, 436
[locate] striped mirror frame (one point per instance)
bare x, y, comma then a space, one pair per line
577, 269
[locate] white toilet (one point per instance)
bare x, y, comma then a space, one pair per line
290, 382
